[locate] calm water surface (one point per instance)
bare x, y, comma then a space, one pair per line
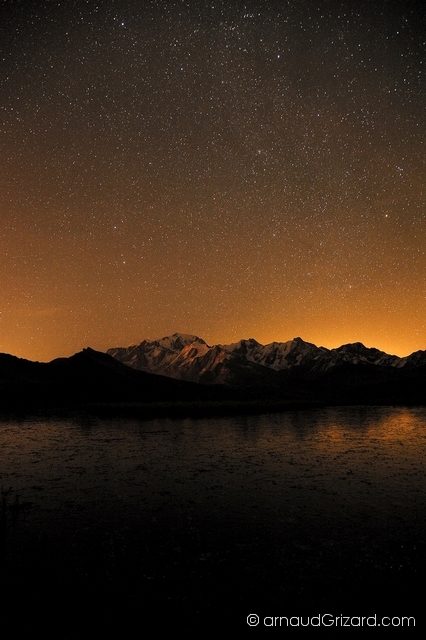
297, 505
370, 460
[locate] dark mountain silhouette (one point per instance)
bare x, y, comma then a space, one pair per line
183, 370
88, 377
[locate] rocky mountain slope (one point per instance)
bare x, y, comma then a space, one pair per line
187, 357
291, 371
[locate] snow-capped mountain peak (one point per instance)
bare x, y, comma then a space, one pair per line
178, 341
188, 357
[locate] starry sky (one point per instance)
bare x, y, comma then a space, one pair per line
223, 168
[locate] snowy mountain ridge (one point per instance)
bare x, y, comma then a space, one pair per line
188, 357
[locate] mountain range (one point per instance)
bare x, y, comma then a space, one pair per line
293, 370
187, 357
183, 369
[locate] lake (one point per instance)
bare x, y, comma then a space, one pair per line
206, 521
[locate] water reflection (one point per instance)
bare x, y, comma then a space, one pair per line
362, 457
295, 507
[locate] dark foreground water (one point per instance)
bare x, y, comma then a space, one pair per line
186, 524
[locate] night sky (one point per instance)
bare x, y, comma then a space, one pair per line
228, 169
